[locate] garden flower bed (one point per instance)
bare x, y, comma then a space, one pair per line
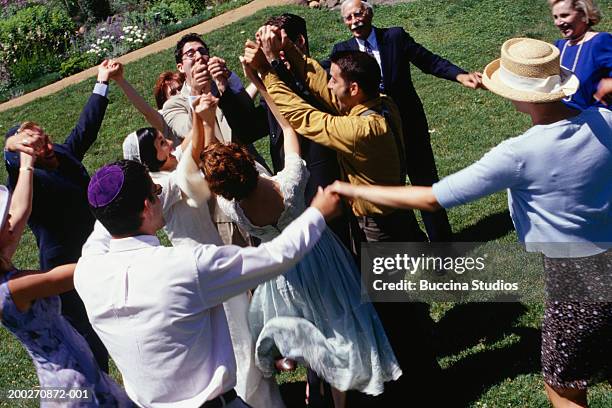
43, 41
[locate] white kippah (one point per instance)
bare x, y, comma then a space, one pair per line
131, 150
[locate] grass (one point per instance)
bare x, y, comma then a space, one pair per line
490, 351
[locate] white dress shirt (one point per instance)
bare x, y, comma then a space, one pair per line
373, 46
159, 312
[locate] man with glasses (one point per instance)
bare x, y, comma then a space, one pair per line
395, 50
204, 74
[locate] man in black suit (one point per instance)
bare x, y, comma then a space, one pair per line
60, 219
395, 50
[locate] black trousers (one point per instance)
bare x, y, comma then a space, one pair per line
74, 311
421, 169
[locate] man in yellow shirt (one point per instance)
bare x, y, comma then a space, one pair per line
364, 129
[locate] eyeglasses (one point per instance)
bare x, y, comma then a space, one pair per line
190, 54
350, 17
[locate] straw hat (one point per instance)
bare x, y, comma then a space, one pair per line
529, 71
5, 201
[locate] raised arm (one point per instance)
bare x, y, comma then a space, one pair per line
26, 289
20, 208
86, 130
291, 143
152, 116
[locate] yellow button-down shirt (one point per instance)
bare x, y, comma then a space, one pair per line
366, 145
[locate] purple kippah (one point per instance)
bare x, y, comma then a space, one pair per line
105, 185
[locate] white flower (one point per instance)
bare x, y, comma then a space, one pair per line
122, 37
128, 39
102, 29
209, 7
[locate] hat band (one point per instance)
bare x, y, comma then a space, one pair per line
551, 84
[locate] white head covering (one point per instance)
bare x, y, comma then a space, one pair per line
131, 150
5, 201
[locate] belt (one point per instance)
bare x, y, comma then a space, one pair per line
221, 400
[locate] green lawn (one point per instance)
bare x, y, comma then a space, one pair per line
489, 351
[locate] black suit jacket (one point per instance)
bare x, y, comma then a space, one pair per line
61, 220
398, 51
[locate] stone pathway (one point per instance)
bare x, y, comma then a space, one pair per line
168, 42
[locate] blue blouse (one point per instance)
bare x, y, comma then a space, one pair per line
590, 61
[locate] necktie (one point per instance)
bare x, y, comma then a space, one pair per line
368, 50
368, 47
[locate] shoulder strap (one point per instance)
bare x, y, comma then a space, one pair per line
398, 142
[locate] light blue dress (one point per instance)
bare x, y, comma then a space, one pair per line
313, 313
61, 356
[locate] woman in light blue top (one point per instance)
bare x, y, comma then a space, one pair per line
560, 198
586, 53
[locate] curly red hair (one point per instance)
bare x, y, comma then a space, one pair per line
229, 170
168, 82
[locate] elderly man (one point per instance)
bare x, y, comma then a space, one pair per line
395, 50
60, 219
163, 321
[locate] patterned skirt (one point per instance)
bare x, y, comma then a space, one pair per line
577, 325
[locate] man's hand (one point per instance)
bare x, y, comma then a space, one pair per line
219, 72
269, 37
26, 160
604, 91
471, 80
200, 78
327, 202
27, 141
104, 71
255, 58
205, 107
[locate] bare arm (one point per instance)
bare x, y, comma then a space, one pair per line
20, 208
291, 143
421, 198
152, 116
26, 289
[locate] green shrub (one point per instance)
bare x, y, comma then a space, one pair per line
32, 66
77, 63
33, 30
168, 12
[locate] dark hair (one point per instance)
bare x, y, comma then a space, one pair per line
191, 37
229, 170
167, 79
123, 215
360, 67
146, 148
293, 25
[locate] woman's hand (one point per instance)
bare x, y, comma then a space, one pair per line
205, 107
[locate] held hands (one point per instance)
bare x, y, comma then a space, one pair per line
271, 40
205, 107
28, 141
327, 202
471, 80
201, 78
219, 72
255, 58
342, 188
251, 74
